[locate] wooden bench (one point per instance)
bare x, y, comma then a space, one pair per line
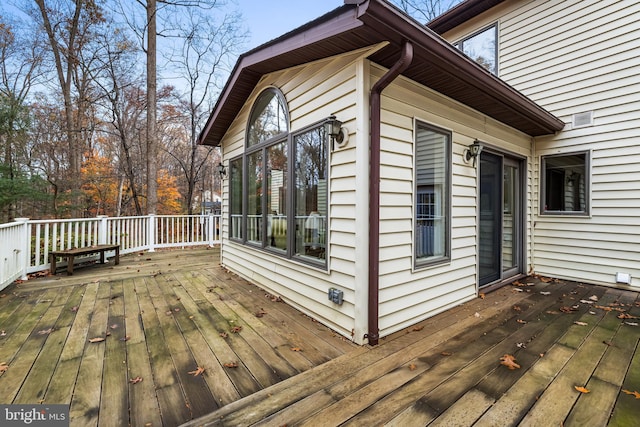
70, 254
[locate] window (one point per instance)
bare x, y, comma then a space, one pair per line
265, 210
482, 48
432, 196
565, 184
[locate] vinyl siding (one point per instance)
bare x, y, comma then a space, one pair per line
407, 294
570, 57
313, 92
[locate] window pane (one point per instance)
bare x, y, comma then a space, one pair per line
235, 198
565, 183
311, 193
277, 196
432, 194
268, 118
254, 197
481, 47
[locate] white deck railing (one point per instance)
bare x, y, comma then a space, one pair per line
25, 244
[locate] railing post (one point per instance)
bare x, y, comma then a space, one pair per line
25, 244
152, 232
211, 229
102, 230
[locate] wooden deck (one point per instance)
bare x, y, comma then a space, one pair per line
162, 315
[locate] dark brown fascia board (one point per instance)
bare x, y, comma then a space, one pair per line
461, 13
382, 15
389, 23
252, 65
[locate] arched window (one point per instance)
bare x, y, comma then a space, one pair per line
269, 117
278, 190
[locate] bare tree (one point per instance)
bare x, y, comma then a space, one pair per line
425, 10
69, 30
207, 49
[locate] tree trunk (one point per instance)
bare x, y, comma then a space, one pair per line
152, 142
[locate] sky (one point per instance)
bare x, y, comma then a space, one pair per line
268, 19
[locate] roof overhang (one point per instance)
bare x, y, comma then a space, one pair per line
461, 13
358, 24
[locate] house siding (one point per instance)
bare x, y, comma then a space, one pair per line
572, 57
313, 92
408, 294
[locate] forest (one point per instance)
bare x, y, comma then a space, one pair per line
102, 102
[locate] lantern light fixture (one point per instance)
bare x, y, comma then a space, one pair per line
472, 152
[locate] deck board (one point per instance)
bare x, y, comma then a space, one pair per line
162, 314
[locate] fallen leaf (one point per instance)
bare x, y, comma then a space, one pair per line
517, 308
545, 293
417, 328
260, 313
231, 365
296, 349
3, 333
521, 321
96, 339
586, 301
236, 329
593, 298
609, 343
581, 389
224, 334
45, 331
199, 370
3, 367
546, 279
74, 308
566, 309
632, 393
446, 353
126, 338
518, 290
581, 323
135, 380
626, 316
114, 326
631, 323
412, 367
509, 361
541, 354
481, 295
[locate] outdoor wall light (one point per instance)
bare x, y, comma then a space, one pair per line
472, 152
333, 128
222, 170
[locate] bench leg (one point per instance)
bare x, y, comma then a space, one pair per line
53, 259
102, 256
117, 255
70, 265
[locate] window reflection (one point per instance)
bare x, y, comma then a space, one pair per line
482, 48
268, 118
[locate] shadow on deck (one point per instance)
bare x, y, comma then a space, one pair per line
164, 315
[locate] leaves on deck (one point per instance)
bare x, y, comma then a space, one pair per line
45, 331
3, 367
96, 339
445, 353
236, 329
412, 367
231, 365
224, 334
260, 313
545, 293
509, 361
581, 389
627, 316
417, 328
298, 349
199, 370
135, 380
632, 393
581, 323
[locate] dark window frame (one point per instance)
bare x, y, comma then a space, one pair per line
262, 147
460, 45
420, 262
546, 180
